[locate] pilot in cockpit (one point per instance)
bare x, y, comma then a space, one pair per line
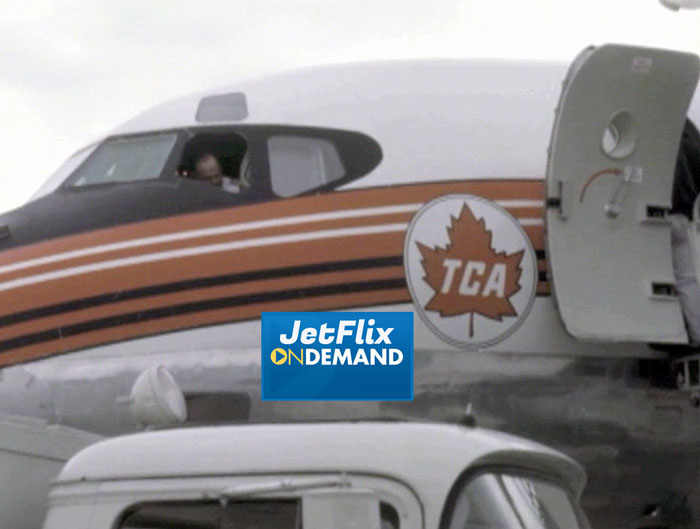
208, 169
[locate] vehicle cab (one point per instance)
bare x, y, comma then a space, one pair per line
378, 475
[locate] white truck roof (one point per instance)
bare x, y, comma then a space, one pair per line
426, 456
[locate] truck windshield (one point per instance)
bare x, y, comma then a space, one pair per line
509, 501
125, 160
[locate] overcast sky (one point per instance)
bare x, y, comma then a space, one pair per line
72, 70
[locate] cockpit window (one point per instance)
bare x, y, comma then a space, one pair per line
217, 166
220, 159
510, 501
298, 164
125, 160
58, 177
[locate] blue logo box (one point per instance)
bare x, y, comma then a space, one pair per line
337, 356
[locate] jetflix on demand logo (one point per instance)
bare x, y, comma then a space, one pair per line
471, 270
337, 356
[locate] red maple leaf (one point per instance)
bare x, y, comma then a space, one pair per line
468, 275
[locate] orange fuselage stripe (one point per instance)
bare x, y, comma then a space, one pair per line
272, 257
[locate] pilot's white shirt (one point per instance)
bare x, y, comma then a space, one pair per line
230, 185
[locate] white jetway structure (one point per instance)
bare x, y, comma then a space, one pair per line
33, 452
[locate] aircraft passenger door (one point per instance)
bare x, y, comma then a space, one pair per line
609, 175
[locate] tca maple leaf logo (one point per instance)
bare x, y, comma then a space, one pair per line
468, 275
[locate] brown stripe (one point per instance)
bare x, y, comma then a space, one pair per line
223, 238
529, 213
272, 231
176, 323
202, 294
214, 264
544, 288
232, 262
536, 234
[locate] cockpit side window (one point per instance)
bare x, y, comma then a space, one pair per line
304, 160
221, 166
260, 162
298, 164
129, 159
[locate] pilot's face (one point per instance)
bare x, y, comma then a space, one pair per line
209, 170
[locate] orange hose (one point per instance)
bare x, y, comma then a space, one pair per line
590, 179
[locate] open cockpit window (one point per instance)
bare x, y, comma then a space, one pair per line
220, 159
278, 161
257, 162
127, 159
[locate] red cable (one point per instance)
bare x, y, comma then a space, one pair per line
611, 171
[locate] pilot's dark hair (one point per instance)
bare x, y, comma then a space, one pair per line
199, 157
686, 179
